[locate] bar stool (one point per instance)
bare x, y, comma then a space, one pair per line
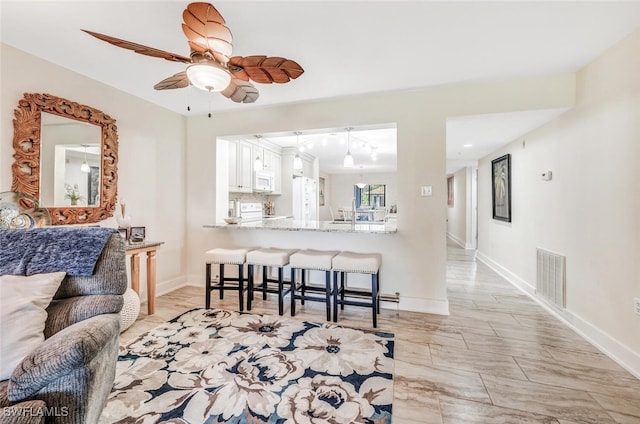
305, 260
224, 257
360, 263
268, 257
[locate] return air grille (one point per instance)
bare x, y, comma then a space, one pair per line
551, 283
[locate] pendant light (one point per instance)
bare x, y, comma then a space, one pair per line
297, 160
85, 166
258, 164
348, 159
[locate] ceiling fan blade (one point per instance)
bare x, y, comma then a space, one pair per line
139, 48
241, 91
178, 80
265, 70
206, 31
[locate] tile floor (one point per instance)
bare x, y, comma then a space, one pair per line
498, 358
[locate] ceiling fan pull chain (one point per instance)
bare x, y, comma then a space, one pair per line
210, 103
188, 106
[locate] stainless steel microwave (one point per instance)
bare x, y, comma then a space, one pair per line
263, 181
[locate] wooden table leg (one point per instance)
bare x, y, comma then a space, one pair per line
135, 273
151, 281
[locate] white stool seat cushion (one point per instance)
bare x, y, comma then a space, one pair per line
312, 259
269, 256
226, 256
364, 263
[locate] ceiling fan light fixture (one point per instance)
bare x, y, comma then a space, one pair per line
208, 76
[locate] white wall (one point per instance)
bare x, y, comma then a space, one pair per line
414, 259
589, 211
151, 150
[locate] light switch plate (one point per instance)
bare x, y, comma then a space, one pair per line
426, 191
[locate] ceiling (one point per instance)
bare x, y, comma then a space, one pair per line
346, 47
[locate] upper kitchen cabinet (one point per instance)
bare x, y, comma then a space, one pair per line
240, 166
273, 162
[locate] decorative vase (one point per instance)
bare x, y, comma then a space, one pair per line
123, 220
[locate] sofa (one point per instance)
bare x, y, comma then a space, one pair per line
69, 375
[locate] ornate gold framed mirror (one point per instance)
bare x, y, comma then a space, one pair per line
99, 181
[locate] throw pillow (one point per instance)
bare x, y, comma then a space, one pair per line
23, 300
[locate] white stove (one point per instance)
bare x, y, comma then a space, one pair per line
251, 211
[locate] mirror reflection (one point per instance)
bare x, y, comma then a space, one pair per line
70, 162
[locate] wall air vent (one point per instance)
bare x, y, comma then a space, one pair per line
551, 277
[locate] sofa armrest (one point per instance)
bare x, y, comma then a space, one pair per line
66, 312
67, 350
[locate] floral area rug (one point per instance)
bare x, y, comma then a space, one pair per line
213, 366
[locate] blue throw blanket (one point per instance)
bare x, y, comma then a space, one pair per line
74, 250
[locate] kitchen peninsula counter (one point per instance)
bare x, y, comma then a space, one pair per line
289, 224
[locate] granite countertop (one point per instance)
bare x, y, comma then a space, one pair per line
289, 224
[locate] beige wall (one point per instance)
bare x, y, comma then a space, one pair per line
589, 211
169, 180
151, 151
414, 259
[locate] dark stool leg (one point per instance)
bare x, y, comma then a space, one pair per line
280, 292
304, 285
249, 287
265, 277
342, 277
374, 299
293, 292
378, 287
207, 294
221, 281
335, 296
241, 287
328, 293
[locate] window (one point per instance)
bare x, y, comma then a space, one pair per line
371, 196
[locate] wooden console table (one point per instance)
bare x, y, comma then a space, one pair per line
150, 247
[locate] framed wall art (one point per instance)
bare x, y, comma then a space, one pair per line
450, 181
501, 188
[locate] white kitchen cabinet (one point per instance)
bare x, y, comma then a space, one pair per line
240, 167
273, 162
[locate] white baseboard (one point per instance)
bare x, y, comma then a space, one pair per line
162, 287
620, 353
427, 306
506, 274
456, 240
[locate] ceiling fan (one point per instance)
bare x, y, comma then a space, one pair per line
211, 66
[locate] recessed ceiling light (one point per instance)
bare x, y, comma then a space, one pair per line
468, 145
